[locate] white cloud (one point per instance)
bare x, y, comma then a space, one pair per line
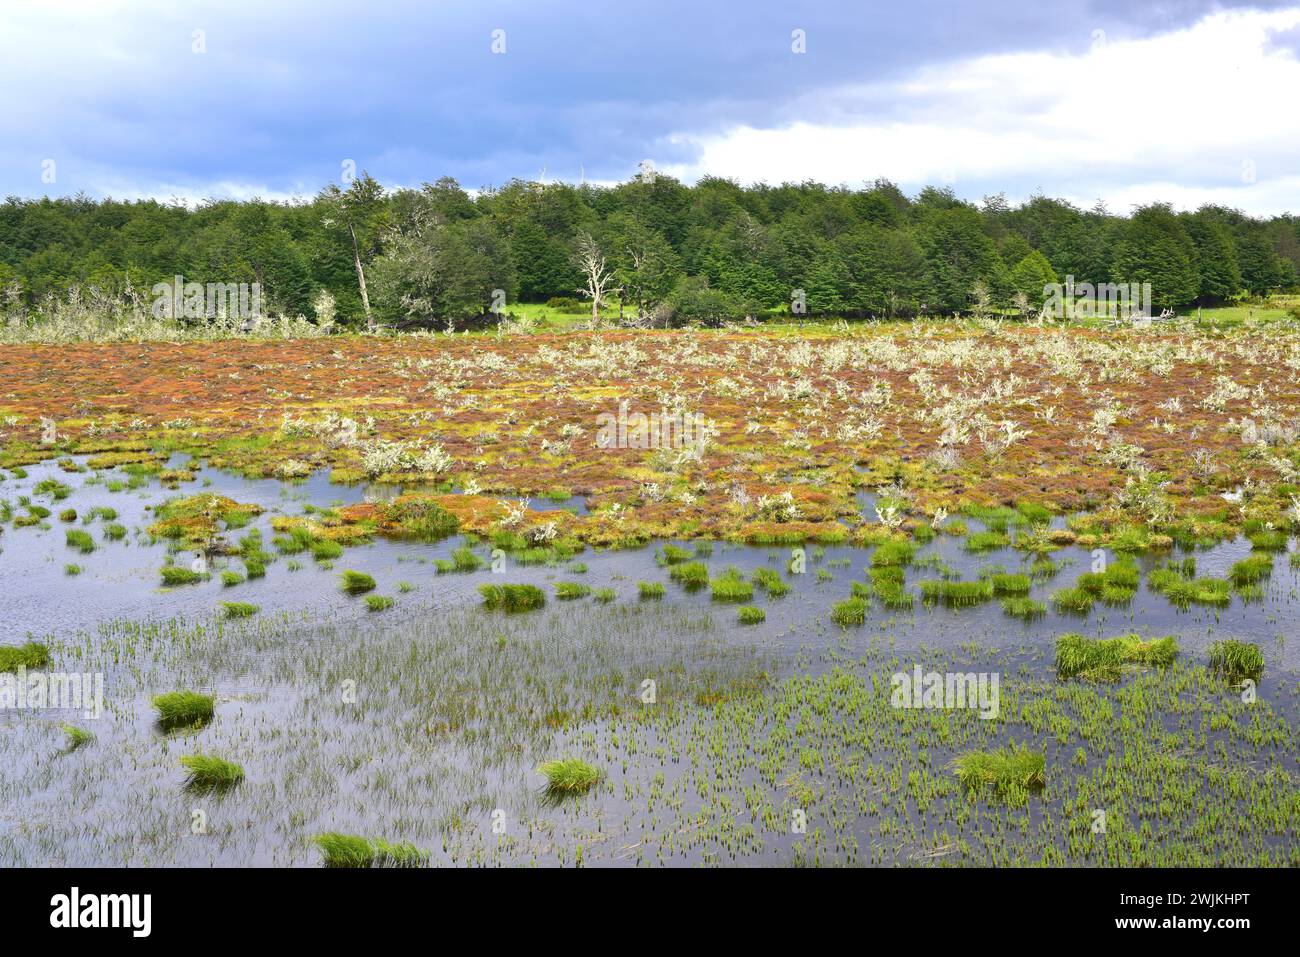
1202, 114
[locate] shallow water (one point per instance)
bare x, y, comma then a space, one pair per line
452, 717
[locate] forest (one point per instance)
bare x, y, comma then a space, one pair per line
655, 249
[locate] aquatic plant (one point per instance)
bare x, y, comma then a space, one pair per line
1235, 659
348, 850
80, 540
378, 602
566, 591
956, 593
731, 586
692, 574
569, 776
512, 597
650, 589
77, 737
357, 583
750, 615
173, 575
1012, 772
239, 609
30, 655
207, 773
1105, 659
850, 611
184, 709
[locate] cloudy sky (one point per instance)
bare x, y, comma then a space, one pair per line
1119, 100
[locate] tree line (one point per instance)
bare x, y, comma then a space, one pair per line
651, 249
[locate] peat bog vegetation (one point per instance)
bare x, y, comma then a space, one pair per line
396, 601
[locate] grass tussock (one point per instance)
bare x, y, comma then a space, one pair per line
348, 850
30, 655
184, 709
1098, 659
206, 773
512, 597
569, 776
357, 583
1236, 659
1012, 773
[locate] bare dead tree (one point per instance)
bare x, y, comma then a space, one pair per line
596, 272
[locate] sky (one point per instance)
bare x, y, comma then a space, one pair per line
1118, 100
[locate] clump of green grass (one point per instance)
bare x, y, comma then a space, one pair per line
357, 583
893, 553
254, 567
672, 555
71, 569
650, 589
691, 574
1077, 601
1004, 584
1216, 592
33, 654
569, 776
750, 615
173, 575
239, 609
326, 550
604, 594
206, 773
1236, 659
1269, 540
1105, 659
956, 594
378, 602
348, 850
567, 591
512, 597
770, 580
987, 541
114, 532
68, 515
1012, 772
231, 579
731, 586
77, 736
184, 709
1021, 607
80, 540
1251, 571
850, 611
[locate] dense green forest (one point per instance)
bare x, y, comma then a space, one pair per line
669, 251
